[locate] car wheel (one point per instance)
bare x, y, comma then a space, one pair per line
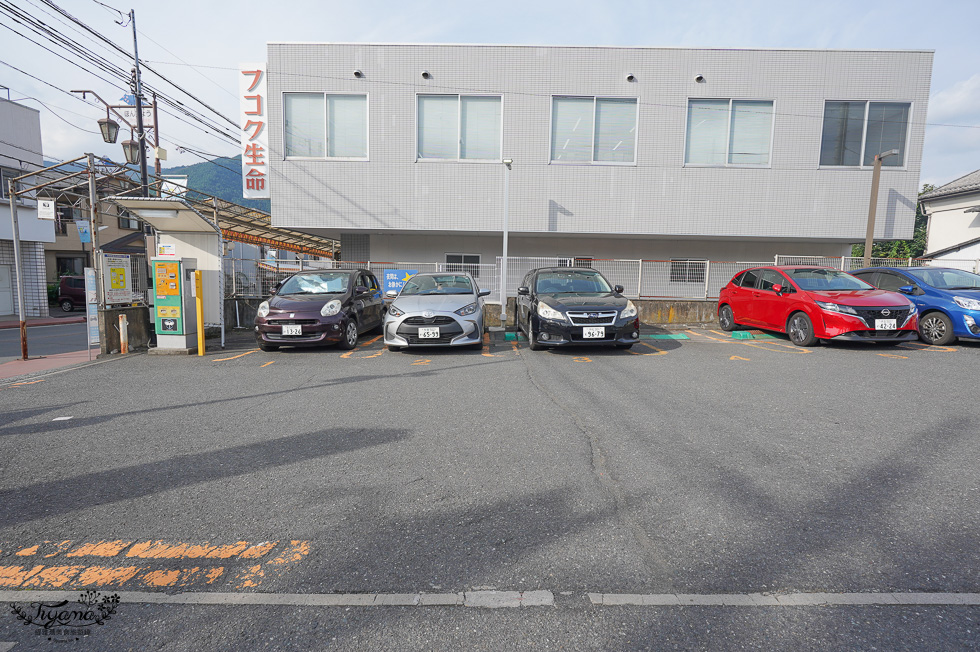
67, 305
349, 340
268, 347
726, 319
532, 343
800, 330
936, 328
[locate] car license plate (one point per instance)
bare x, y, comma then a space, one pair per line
886, 324
292, 329
429, 333
593, 332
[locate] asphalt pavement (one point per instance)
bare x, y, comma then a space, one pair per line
700, 466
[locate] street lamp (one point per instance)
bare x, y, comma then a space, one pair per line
503, 260
869, 237
132, 150
109, 128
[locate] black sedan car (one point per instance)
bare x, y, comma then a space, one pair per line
332, 306
560, 306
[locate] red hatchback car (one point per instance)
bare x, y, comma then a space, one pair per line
815, 303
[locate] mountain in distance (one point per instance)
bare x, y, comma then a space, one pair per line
221, 177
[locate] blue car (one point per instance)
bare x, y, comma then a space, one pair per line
948, 299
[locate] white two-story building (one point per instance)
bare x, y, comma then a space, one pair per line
641, 153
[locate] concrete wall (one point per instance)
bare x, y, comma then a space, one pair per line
139, 330
652, 312
792, 199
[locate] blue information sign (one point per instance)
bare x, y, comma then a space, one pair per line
395, 278
84, 232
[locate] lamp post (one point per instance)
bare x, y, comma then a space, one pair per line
503, 260
869, 238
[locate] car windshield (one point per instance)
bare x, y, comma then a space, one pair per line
571, 282
947, 279
819, 280
316, 283
438, 284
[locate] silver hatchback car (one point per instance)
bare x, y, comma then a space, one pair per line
437, 309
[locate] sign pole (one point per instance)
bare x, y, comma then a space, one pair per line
199, 291
18, 268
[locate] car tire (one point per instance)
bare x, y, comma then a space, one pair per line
67, 305
349, 339
800, 330
268, 347
726, 319
936, 328
532, 343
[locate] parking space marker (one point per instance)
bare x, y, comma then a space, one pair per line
486, 346
235, 357
650, 346
361, 347
33, 382
582, 359
268, 363
735, 357
423, 361
892, 355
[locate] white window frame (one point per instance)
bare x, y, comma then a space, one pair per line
594, 98
728, 139
864, 136
459, 130
326, 148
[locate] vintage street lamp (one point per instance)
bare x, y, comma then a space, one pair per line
109, 128
131, 148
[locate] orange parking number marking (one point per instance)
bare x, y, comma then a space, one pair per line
582, 359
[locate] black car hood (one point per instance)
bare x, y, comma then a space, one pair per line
302, 302
584, 301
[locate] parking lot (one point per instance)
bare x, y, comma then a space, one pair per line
693, 464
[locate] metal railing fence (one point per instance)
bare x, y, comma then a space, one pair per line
644, 279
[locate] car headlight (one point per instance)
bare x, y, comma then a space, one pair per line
836, 307
330, 308
628, 311
912, 309
547, 312
467, 310
263, 309
394, 311
966, 302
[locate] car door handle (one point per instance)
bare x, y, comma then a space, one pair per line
756, 294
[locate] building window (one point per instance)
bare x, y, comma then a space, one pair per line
70, 265
855, 132
464, 263
5, 175
126, 221
64, 216
593, 130
687, 270
459, 127
728, 132
319, 125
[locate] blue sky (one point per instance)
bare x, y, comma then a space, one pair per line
200, 44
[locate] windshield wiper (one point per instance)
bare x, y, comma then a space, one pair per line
964, 287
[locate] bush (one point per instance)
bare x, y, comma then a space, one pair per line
53, 292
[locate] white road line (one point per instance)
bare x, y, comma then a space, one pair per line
6, 647
512, 599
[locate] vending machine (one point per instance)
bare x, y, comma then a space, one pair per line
175, 317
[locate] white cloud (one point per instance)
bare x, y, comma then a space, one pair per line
958, 103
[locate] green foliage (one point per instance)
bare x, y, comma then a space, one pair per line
913, 248
222, 178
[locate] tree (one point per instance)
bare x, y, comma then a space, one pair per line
913, 248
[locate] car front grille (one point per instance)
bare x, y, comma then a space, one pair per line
447, 332
592, 318
438, 320
869, 315
291, 322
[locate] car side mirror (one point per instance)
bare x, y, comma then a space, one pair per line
391, 294
778, 288
618, 289
523, 291
483, 293
907, 289
360, 289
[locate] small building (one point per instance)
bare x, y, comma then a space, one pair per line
634, 153
20, 153
954, 220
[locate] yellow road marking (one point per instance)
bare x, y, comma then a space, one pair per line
892, 355
486, 346
235, 357
421, 362
928, 347
142, 557
763, 345
268, 363
728, 341
361, 346
582, 359
33, 382
735, 357
650, 346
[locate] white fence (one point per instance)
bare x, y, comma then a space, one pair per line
643, 279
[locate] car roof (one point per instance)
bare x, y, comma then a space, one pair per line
565, 269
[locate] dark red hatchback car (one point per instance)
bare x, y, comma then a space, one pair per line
815, 303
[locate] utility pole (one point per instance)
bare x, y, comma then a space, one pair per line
138, 91
18, 266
